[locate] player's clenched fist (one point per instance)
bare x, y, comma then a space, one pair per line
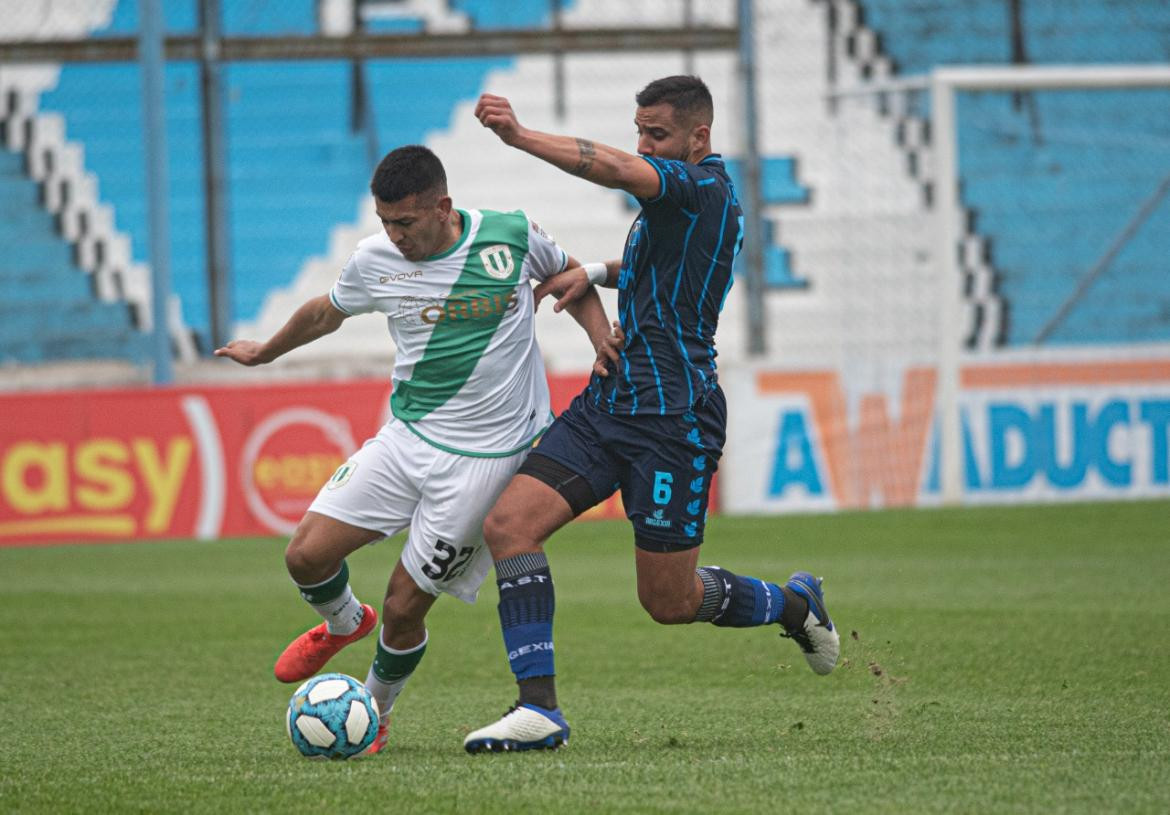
496, 112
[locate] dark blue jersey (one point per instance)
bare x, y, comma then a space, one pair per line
675, 275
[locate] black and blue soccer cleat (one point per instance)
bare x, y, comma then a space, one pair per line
816, 636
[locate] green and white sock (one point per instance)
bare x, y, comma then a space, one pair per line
391, 669
335, 602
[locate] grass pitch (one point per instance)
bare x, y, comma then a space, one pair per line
994, 660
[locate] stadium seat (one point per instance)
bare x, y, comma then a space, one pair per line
1049, 204
50, 311
296, 169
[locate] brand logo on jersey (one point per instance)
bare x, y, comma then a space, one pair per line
497, 261
657, 520
394, 278
470, 306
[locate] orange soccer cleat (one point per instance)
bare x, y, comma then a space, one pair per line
309, 652
379, 740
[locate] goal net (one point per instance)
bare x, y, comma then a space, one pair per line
980, 304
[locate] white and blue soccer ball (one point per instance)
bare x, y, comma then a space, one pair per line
332, 716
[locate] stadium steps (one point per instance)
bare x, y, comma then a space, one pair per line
295, 169
1049, 203
50, 312
298, 166
917, 34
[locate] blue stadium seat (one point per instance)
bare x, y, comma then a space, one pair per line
513, 14
1051, 184
778, 185
49, 311
296, 168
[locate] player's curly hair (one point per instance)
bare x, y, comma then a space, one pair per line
407, 171
688, 95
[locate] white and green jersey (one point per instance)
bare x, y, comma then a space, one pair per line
468, 376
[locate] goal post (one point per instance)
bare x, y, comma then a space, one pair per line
944, 83
996, 231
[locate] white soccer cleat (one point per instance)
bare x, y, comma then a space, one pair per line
817, 636
524, 727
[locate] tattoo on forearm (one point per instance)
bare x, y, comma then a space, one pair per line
587, 153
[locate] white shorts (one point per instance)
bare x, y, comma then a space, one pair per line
397, 480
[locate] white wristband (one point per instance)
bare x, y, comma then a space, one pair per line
597, 273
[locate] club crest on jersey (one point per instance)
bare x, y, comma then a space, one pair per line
343, 474
497, 261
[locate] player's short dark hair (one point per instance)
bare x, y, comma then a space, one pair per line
407, 171
688, 95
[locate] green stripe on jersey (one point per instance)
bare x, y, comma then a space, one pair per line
446, 448
479, 299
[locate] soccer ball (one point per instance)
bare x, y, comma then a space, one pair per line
332, 716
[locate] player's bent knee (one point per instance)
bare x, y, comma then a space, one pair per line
399, 617
404, 624
306, 562
494, 528
666, 611
301, 567
501, 533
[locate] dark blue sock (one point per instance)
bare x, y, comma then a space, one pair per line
738, 602
526, 614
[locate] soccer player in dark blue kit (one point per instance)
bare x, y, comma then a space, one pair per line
654, 427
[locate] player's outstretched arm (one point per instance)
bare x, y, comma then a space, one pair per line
574, 282
314, 319
593, 161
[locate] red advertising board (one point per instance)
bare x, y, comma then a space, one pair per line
205, 462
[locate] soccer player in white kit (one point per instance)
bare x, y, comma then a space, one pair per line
469, 398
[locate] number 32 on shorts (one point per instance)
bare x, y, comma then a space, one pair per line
447, 564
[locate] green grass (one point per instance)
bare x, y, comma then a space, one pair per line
995, 660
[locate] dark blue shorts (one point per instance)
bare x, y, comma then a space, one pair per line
662, 464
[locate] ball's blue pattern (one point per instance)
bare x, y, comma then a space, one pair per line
332, 713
